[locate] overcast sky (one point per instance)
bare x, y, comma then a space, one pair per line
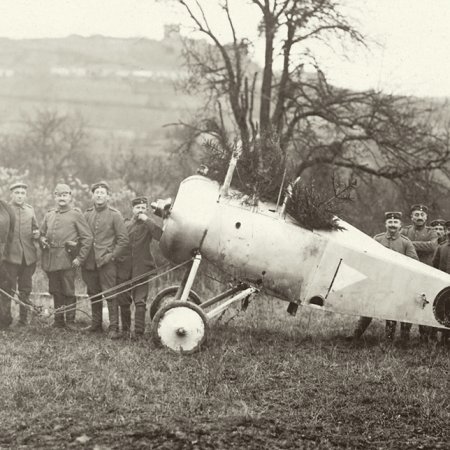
412, 55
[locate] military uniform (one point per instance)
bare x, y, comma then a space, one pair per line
7, 225
441, 258
137, 261
22, 254
397, 242
99, 272
401, 244
441, 261
438, 225
425, 242
60, 226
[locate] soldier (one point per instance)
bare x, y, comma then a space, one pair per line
441, 261
61, 229
392, 239
425, 242
110, 244
438, 226
7, 222
21, 257
138, 261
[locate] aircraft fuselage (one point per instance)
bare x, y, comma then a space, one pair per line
339, 271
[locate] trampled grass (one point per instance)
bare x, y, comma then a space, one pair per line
264, 380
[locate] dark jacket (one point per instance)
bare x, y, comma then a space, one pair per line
138, 258
441, 258
424, 240
23, 244
7, 225
110, 236
60, 226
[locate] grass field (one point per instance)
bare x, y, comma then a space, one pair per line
265, 380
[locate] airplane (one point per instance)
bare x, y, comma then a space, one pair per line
342, 271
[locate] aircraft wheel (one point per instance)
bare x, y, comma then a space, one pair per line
181, 327
167, 296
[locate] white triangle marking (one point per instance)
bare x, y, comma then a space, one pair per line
347, 276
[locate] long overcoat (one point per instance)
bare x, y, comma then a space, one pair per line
23, 246
60, 226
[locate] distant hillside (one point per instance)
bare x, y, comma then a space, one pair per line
90, 52
123, 88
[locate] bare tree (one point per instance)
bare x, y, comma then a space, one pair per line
143, 174
51, 146
295, 110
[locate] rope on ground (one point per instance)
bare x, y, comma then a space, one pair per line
116, 290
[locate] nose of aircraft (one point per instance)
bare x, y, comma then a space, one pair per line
186, 220
161, 207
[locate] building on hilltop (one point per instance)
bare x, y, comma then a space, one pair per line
172, 32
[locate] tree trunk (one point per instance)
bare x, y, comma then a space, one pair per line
266, 88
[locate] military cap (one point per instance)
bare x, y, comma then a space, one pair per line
139, 201
18, 184
102, 184
62, 188
436, 222
393, 215
419, 207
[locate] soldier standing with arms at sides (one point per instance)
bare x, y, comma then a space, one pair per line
441, 261
62, 227
109, 245
425, 242
138, 261
392, 239
7, 225
21, 257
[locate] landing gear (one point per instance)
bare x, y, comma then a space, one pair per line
169, 295
181, 327
182, 292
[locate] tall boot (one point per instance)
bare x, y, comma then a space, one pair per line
5, 311
23, 312
58, 303
97, 315
6, 283
424, 332
390, 329
139, 319
445, 338
125, 317
405, 329
71, 304
361, 326
432, 334
113, 311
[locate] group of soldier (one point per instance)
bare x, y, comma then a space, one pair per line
428, 244
109, 250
